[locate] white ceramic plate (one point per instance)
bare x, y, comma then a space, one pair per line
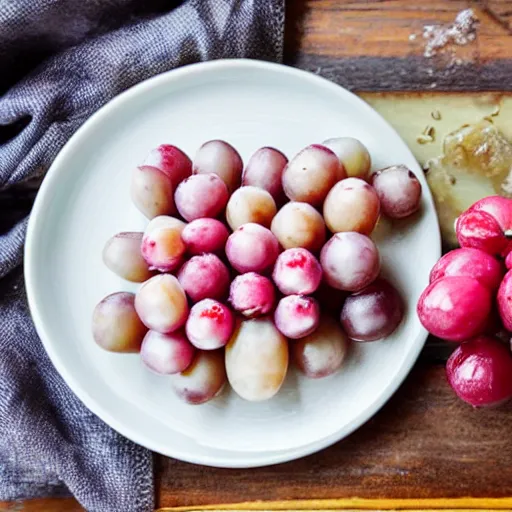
85, 199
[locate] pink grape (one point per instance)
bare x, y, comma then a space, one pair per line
250, 204
209, 325
204, 276
487, 225
264, 170
252, 294
201, 195
310, 175
352, 205
256, 359
504, 299
373, 313
122, 255
399, 191
471, 263
116, 326
479, 372
220, 158
455, 308
352, 154
299, 225
297, 316
322, 352
205, 235
252, 248
161, 304
350, 261
203, 380
162, 247
171, 161
297, 271
166, 354
152, 192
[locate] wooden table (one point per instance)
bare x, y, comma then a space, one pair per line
424, 444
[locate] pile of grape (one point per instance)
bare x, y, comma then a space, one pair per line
469, 301
272, 261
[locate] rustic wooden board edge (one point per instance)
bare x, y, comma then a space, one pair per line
416, 505
42, 505
368, 73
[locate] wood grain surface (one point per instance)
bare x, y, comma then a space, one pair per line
424, 443
378, 45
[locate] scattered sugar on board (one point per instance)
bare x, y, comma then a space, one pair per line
461, 32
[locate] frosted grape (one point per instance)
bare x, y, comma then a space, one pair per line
252, 294
161, 304
350, 261
252, 248
203, 380
166, 354
222, 159
264, 170
373, 313
116, 326
123, 256
297, 271
321, 353
152, 192
352, 205
162, 246
201, 195
210, 324
309, 176
297, 316
399, 191
352, 154
204, 276
204, 235
250, 204
172, 161
299, 225
256, 359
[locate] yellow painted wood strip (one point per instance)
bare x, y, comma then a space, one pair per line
356, 504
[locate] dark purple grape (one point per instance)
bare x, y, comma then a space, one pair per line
373, 313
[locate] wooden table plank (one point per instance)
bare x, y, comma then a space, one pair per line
379, 45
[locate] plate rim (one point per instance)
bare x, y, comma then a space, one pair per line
37, 213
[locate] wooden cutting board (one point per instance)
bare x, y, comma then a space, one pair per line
425, 449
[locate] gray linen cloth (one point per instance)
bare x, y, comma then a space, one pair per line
60, 60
